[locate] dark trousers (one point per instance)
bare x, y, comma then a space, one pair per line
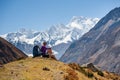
36, 55
45, 55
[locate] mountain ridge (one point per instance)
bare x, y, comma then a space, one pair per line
9, 52
39, 68
100, 45
55, 36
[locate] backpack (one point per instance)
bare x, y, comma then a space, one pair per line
36, 51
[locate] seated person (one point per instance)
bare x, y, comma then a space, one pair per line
36, 51
44, 50
47, 52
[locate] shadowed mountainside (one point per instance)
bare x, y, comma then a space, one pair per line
100, 46
9, 52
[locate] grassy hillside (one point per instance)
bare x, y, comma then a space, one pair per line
49, 69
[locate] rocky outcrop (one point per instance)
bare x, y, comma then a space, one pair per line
100, 46
9, 53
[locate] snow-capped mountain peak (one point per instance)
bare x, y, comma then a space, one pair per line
82, 23
59, 36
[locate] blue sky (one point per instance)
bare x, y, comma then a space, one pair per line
41, 14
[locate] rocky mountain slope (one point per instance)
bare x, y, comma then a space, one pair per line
9, 52
59, 37
48, 69
101, 45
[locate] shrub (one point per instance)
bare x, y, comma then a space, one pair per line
90, 74
72, 75
81, 69
100, 73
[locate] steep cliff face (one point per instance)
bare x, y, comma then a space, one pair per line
101, 45
9, 53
